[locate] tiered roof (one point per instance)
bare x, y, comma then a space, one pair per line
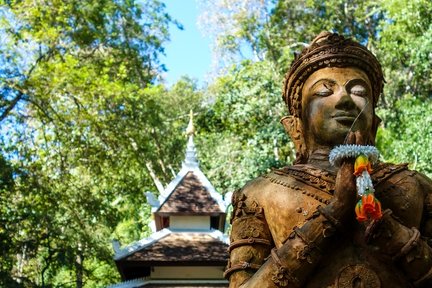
190, 196
190, 193
170, 247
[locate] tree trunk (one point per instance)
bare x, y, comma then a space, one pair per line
79, 268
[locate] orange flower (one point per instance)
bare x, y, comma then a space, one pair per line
368, 203
362, 164
368, 207
377, 214
360, 212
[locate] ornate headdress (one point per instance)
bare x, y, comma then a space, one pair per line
329, 50
326, 50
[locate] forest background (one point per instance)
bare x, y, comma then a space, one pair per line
87, 124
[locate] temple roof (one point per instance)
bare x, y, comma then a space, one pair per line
190, 192
183, 247
190, 196
166, 246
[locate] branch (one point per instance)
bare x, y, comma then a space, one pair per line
11, 106
21, 94
37, 105
46, 55
155, 179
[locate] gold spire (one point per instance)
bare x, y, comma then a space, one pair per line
190, 130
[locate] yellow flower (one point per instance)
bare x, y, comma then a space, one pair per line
362, 164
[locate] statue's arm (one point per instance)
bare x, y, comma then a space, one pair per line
409, 247
250, 239
253, 260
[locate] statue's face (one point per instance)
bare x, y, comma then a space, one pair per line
332, 99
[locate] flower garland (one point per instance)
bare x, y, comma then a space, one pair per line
368, 207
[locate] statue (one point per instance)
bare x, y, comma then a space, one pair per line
304, 225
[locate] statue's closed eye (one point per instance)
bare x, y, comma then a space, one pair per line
324, 90
324, 93
359, 90
358, 87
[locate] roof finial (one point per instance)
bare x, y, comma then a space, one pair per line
190, 130
191, 160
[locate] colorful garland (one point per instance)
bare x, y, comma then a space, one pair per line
368, 207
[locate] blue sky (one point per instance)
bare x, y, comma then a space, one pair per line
188, 52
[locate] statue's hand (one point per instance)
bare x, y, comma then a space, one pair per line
345, 196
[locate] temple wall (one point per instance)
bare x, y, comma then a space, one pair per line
190, 222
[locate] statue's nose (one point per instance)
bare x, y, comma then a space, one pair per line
345, 101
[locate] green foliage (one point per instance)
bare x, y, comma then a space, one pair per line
294, 23
406, 134
81, 123
405, 48
247, 102
275, 30
240, 131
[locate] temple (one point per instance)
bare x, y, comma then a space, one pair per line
188, 247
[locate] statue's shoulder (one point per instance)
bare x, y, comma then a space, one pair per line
262, 185
290, 181
384, 173
270, 179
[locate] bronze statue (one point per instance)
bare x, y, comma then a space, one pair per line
296, 226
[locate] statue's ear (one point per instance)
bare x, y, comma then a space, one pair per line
375, 124
294, 127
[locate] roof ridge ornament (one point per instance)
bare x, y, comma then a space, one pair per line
191, 160
190, 130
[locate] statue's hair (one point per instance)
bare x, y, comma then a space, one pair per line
329, 50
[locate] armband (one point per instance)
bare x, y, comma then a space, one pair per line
248, 241
282, 277
240, 266
412, 242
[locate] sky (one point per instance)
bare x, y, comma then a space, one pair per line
188, 52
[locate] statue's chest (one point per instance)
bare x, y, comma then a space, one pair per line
293, 197
296, 192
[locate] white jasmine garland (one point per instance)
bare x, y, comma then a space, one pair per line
341, 152
364, 183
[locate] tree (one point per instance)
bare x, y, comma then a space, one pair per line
240, 132
275, 30
247, 99
81, 122
406, 135
405, 48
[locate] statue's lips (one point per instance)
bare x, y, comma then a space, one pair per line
344, 118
